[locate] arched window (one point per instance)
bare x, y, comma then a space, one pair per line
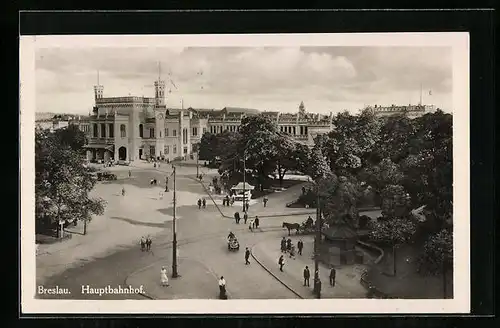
141, 131
152, 133
123, 131
94, 130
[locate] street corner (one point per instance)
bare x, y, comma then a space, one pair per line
195, 281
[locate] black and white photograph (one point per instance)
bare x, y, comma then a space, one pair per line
245, 173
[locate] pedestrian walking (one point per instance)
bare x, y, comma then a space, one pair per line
245, 217
123, 191
247, 256
204, 202
148, 243
288, 244
199, 203
143, 244
333, 274
300, 246
257, 222
307, 275
237, 217
129, 173
281, 262
222, 288
251, 225
163, 276
292, 252
265, 200
283, 245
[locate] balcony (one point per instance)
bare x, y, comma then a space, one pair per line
102, 141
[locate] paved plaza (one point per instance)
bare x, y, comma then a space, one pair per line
110, 254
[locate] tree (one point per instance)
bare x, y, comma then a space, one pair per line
339, 197
396, 227
428, 170
395, 201
72, 136
208, 146
352, 141
319, 168
62, 183
378, 176
438, 251
287, 155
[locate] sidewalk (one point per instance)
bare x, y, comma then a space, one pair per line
196, 281
276, 205
348, 276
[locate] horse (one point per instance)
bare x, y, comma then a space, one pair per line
291, 226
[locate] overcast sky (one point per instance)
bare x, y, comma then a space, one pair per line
325, 78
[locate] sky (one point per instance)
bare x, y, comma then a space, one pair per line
326, 79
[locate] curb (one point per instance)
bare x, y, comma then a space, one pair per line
260, 216
272, 274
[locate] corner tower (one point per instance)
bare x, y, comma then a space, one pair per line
98, 89
160, 89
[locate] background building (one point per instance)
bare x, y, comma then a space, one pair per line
132, 128
410, 110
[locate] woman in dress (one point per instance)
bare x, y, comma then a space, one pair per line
164, 278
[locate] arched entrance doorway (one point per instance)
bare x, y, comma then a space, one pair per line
122, 153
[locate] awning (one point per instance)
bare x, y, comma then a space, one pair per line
241, 186
99, 146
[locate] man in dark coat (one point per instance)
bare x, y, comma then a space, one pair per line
257, 222
283, 245
333, 274
288, 244
237, 217
199, 203
247, 256
307, 275
245, 217
300, 246
281, 262
204, 203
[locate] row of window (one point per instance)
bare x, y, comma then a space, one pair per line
107, 130
220, 128
293, 130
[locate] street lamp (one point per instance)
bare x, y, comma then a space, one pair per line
244, 180
317, 239
174, 239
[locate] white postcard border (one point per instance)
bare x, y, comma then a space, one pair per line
459, 304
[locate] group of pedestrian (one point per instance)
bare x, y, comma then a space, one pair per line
287, 246
228, 201
307, 276
254, 223
146, 243
202, 203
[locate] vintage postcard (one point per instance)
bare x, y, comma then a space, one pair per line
304, 173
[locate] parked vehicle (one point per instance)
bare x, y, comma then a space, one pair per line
106, 176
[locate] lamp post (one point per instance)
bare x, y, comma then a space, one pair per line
317, 239
244, 181
174, 239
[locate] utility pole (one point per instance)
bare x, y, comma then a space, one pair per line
174, 240
197, 161
317, 239
244, 181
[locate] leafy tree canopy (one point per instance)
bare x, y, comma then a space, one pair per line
62, 182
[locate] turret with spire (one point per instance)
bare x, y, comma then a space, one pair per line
302, 109
160, 89
98, 89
